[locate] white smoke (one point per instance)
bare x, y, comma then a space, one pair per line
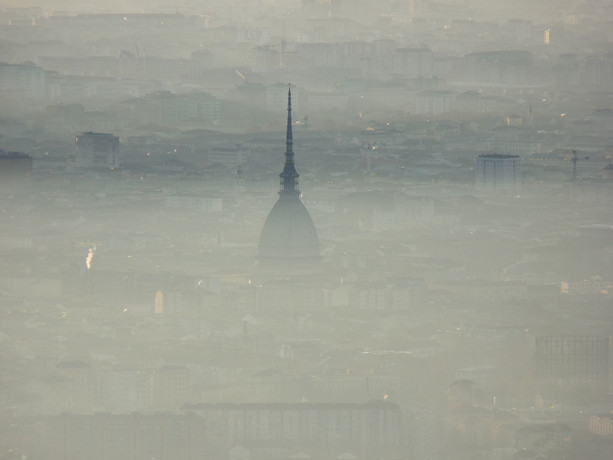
90, 257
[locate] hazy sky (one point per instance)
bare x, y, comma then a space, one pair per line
543, 10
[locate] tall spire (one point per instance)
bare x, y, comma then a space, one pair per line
289, 176
289, 138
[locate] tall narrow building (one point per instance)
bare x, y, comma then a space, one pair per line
288, 242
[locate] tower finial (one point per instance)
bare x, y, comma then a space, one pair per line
289, 176
289, 138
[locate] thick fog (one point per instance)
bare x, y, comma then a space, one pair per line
306, 229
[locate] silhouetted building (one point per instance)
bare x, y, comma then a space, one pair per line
412, 62
544, 438
368, 430
321, 8
104, 436
26, 80
163, 108
265, 431
434, 102
573, 362
601, 424
97, 150
170, 387
595, 254
14, 167
498, 172
498, 68
288, 242
126, 390
74, 389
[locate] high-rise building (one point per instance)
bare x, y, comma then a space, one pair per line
496, 172
288, 242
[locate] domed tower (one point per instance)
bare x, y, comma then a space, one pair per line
288, 242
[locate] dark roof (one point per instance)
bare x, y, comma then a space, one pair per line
7, 155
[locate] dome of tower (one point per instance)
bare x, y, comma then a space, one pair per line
289, 232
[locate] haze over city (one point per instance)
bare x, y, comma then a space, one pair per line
306, 229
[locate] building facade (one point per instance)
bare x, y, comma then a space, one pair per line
365, 430
573, 363
97, 150
208, 430
498, 173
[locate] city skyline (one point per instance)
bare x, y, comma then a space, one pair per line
340, 229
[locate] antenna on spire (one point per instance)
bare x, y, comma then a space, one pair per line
289, 176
